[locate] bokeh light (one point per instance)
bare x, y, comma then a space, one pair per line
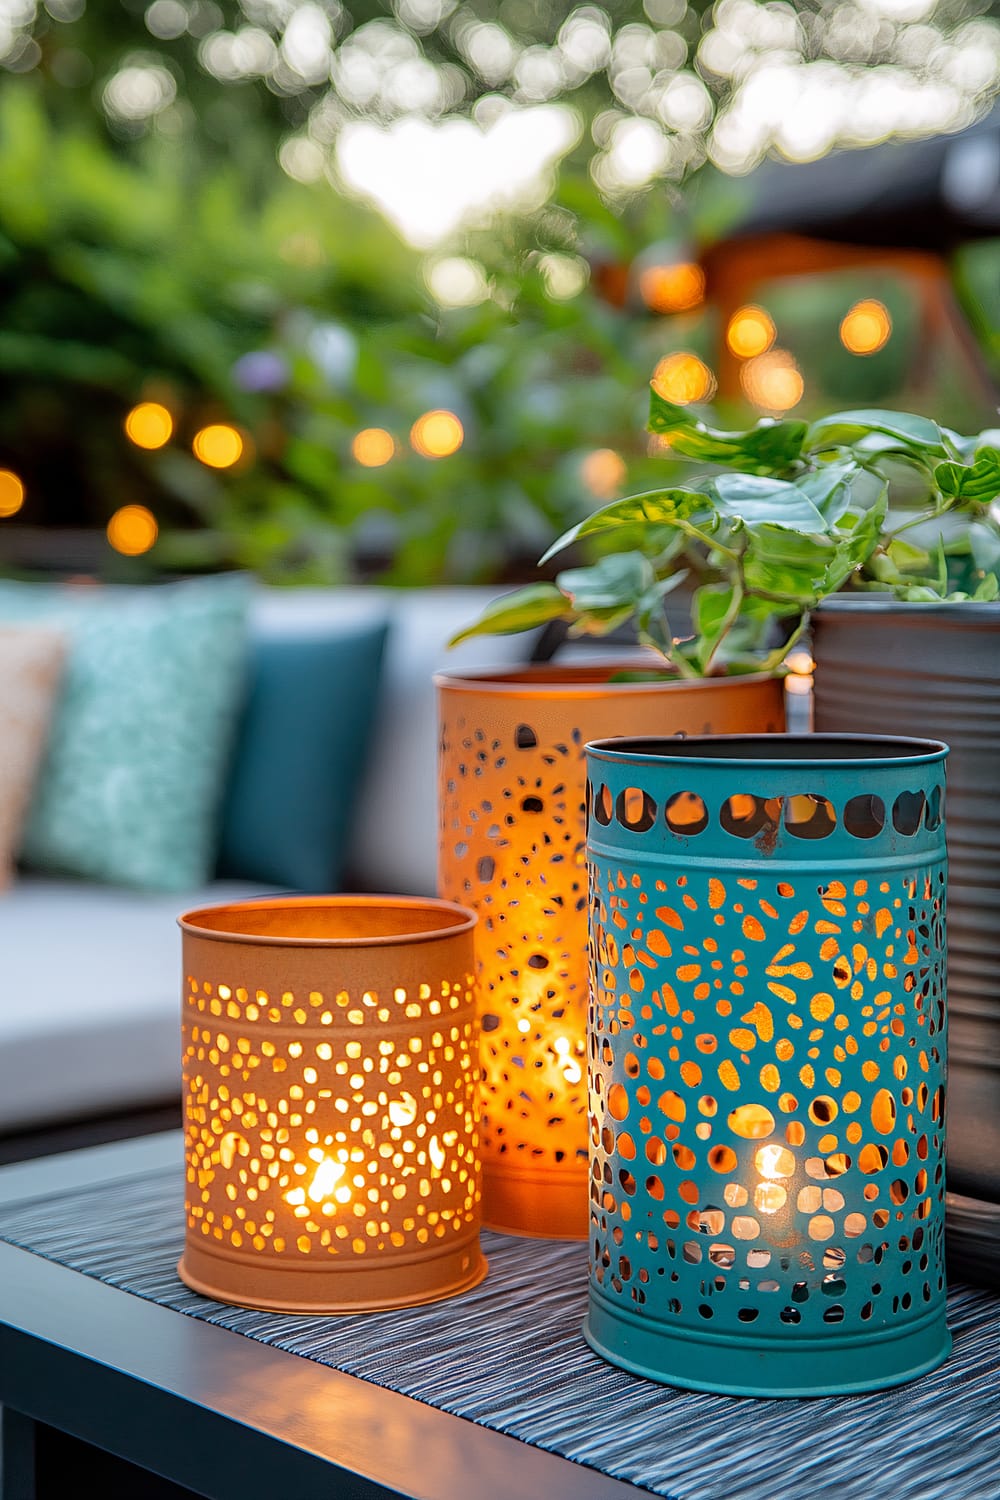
683, 378
218, 445
457, 281
11, 493
373, 447
866, 328
437, 434
604, 473
773, 381
132, 530
149, 425
670, 289
751, 331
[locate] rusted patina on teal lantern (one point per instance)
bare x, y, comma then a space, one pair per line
767, 1057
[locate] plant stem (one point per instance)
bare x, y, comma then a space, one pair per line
728, 620
773, 662
708, 541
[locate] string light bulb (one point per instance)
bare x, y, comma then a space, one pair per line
750, 332
683, 378
11, 492
866, 328
218, 446
604, 473
132, 530
437, 434
149, 425
672, 288
773, 381
372, 447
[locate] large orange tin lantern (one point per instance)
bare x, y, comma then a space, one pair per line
513, 847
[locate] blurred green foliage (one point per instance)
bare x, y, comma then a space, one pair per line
139, 274
166, 255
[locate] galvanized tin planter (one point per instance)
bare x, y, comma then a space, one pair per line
766, 1056
935, 669
512, 847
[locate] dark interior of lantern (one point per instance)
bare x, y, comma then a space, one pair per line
773, 747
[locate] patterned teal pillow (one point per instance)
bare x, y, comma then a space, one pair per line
140, 743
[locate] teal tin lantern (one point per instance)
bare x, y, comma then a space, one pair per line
767, 1058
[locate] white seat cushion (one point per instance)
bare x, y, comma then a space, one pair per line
90, 997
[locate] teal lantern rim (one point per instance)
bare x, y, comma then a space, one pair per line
750, 751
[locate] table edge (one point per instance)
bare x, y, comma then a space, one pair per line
80, 1339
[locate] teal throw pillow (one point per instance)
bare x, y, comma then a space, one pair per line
301, 750
130, 786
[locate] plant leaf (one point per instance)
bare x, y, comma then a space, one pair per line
830, 488
755, 499
787, 566
612, 583
989, 589
710, 610
524, 609
976, 481
651, 620
918, 594
906, 557
843, 429
856, 545
655, 508
984, 544
768, 446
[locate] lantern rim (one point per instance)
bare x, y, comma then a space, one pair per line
582, 679
967, 611
771, 750
234, 921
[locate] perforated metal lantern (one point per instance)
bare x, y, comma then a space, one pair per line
767, 1053
513, 847
330, 1099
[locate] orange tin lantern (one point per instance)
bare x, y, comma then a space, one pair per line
513, 847
332, 1142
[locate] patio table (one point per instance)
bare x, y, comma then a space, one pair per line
493, 1395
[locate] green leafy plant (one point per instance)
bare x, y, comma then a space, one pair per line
789, 513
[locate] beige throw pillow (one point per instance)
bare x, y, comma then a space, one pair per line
31, 661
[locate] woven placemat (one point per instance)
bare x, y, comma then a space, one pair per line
509, 1355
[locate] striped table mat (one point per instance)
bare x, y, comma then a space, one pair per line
509, 1356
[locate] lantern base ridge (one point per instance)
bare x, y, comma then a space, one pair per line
536, 1203
766, 1366
323, 1289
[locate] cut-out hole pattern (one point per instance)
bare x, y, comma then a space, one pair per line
635, 809
748, 816
809, 816
686, 813
813, 1010
864, 816
285, 1098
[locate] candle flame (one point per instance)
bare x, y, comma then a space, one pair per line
572, 1072
326, 1184
775, 1161
325, 1179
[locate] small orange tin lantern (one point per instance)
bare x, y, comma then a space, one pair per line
330, 1073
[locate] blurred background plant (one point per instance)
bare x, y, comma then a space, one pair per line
330, 294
